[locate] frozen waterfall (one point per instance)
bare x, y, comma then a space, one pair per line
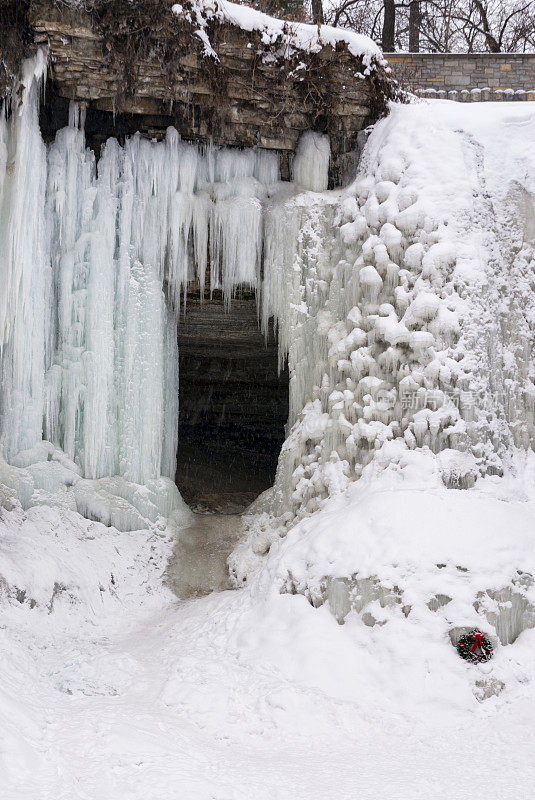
386, 301
96, 260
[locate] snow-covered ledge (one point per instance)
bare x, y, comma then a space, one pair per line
222, 72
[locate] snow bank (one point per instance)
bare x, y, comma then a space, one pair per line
48, 478
54, 560
109, 686
406, 566
401, 506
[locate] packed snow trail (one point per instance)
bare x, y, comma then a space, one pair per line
199, 561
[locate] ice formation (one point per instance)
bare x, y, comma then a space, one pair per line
96, 262
506, 612
94, 280
116, 250
407, 315
23, 270
402, 316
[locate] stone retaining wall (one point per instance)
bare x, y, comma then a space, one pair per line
466, 77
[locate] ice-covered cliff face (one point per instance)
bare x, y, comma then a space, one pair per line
404, 304
411, 311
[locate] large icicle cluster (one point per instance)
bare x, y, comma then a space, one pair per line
96, 260
124, 241
356, 287
23, 269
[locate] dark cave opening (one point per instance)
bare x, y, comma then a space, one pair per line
233, 404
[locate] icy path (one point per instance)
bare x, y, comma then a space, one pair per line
172, 710
199, 562
119, 691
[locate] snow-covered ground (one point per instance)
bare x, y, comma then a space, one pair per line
111, 687
330, 672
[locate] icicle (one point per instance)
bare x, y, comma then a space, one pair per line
24, 269
311, 162
142, 411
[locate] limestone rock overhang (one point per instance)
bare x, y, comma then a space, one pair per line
240, 91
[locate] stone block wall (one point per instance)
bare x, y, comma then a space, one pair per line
466, 77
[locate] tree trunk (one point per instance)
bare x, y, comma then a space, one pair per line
415, 20
317, 12
389, 26
490, 40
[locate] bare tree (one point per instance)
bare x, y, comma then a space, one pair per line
414, 26
363, 16
497, 26
318, 17
444, 26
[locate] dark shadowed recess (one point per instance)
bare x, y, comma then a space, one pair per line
100, 125
233, 404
